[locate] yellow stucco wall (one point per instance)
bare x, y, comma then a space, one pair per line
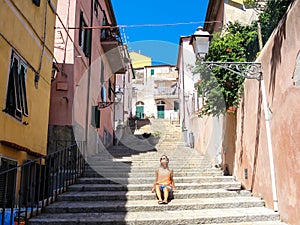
139, 60
21, 30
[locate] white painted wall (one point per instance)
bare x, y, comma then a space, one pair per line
207, 131
146, 91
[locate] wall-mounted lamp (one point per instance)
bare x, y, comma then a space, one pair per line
200, 42
118, 98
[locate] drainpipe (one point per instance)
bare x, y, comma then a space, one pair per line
89, 78
268, 118
183, 88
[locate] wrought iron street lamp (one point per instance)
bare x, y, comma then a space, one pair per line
117, 98
200, 42
249, 70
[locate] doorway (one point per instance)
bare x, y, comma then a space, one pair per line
140, 110
160, 111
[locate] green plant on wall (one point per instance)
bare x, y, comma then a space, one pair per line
221, 89
272, 13
270, 17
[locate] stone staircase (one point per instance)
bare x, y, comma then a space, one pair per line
115, 189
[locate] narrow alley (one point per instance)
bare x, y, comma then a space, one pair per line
149, 112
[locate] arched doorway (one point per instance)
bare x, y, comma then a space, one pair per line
140, 110
160, 109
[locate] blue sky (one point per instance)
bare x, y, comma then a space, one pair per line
160, 43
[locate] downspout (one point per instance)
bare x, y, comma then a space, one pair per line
89, 78
183, 87
268, 118
124, 88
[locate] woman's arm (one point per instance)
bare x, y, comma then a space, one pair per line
172, 182
155, 182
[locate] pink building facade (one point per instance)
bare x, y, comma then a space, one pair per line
87, 63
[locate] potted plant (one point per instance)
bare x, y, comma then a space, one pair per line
154, 138
19, 220
231, 109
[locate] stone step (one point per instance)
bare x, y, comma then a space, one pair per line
147, 195
121, 174
122, 186
204, 216
116, 188
148, 168
150, 180
172, 158
253, 223
151, 205
151, 159
147, 163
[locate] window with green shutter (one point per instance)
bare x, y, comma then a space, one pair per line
152, 72
84, 36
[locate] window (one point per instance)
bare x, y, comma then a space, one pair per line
104, 32
176, 106
96, 6
152, 72
37, 2
103, 93
95, 117
109, 89
84, 37
102, 72
7, 182
16, 99
134, 74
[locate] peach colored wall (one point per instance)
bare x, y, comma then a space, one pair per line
278, 60
228, 147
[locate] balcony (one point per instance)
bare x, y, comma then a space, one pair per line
171, 76
166, 92
113, 49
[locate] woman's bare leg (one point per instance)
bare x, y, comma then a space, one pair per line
166, 194
158, 192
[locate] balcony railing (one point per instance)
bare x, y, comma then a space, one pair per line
30, 187
112, 46
166, 92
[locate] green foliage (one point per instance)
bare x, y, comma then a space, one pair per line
220, 88
156, 134
271, 16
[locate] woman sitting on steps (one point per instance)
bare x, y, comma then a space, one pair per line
164, 183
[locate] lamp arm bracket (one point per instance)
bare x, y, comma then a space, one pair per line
248, 70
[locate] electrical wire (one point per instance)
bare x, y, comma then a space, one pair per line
142, 25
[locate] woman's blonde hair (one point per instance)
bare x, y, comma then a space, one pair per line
164, 156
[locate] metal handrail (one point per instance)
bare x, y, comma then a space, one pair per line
30, 187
